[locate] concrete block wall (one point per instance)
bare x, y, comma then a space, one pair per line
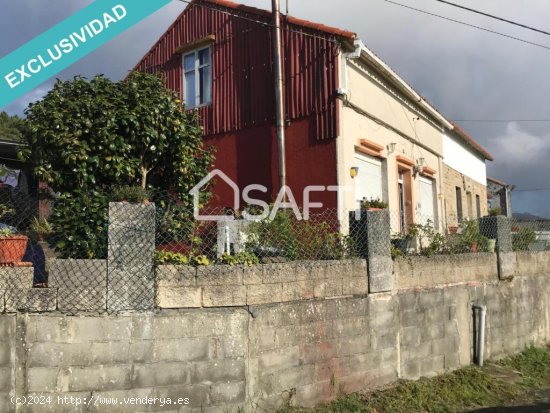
7, 365
228, 286
427, 272
281, 346
196, 355
305, 353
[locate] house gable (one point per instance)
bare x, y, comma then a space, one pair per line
242, 69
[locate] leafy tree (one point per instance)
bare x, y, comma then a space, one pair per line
12, 128
87, 136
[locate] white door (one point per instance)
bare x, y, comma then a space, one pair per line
427, 201
368, 182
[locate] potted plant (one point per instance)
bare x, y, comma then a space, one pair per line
41, 227
373, 204
12, 246
493, 212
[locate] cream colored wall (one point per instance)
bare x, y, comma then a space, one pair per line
370, 97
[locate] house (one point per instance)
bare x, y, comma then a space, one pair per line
350, 120
499, 196
464, 177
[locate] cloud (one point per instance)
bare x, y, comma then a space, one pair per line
466, 73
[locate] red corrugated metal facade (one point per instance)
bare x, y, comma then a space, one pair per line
243, 91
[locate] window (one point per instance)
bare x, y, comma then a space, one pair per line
459, 214
469, 205
197, 78
368, 182
478, 206
427, 201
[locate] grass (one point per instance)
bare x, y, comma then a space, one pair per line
533, 364
464, 389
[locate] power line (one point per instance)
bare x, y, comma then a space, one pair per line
501, 120
468, 25
261, 22
532, 190
492, 16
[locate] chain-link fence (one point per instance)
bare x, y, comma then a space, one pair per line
101, 256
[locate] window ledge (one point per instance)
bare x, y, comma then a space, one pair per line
196, 44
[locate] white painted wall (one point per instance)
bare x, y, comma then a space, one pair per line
462, 159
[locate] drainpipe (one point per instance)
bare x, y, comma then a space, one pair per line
279, 98
481, 336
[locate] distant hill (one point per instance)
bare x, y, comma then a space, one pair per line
526, 216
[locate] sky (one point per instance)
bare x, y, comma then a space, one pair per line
466, 73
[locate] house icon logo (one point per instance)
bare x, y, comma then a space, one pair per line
195, 192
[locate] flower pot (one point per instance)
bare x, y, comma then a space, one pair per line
473, 247
453, 230
491, 245
12, 249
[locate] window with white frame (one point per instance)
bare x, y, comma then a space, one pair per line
428, 209
368, 182
197, 77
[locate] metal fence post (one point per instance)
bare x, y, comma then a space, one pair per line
130, 274
500, 228
372, 234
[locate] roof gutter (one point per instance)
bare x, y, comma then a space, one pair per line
362, 51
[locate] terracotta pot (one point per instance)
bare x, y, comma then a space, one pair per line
12, 249
473, 247
453, 230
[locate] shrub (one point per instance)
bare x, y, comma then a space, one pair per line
241, 258
133, 194
523, 238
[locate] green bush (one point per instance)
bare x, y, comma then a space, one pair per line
80, 225
133, 194
523, 238
286, 236
241, 258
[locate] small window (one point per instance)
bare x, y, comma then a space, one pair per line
459, 213
478, 206
197, 78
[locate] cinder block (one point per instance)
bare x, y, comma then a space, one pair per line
224, 295
228, 393
179, 297
330, 287
220, 275
297, 290
42, 379
5, 379
18, 278
31, 300
264, 293
506, 265
381, 277
180, 350
219, 371
82, 299
176, 276
161, 374
91, 378
355, 285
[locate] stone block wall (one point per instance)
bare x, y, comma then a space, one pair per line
227, 286
200, 356
257, 341
427, 272
453, 179
306, 353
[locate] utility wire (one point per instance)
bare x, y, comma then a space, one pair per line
492, 16
261, 22
501, 120
468, 24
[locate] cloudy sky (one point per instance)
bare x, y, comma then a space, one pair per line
467, 73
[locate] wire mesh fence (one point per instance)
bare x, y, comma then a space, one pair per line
102, 256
